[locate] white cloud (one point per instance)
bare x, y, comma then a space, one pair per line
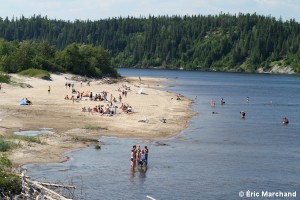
286, 9
278, 3
268, 2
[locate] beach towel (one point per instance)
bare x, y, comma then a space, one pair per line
22, 102
86, 93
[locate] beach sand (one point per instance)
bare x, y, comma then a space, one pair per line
69, 122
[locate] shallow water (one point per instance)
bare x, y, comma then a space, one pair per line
40, 131
218, 156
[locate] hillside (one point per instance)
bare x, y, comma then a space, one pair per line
243, 43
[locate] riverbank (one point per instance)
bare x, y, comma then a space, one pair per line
156, 114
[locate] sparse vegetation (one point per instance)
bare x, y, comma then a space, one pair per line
93, 127
37, 73
82, 138
10, 183
6, 145
33, 139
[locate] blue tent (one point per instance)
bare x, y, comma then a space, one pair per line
23, 102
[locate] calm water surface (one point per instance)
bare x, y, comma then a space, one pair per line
218, 156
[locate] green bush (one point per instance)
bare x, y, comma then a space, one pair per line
4, 78
6, 145
10, 184
5, 163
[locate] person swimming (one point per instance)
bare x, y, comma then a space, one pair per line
243, 114
285, 120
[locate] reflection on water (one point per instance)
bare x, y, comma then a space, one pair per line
138, 173
215, 158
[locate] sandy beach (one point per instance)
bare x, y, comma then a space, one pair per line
150, 110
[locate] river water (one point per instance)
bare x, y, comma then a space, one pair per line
217, 157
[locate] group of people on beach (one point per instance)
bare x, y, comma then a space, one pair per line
110, 108
92, 96
67, 84
139, 156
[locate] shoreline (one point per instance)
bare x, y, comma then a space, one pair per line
74, 129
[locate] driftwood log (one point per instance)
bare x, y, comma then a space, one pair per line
38, 190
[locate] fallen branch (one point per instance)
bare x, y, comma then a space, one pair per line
34, 189
57, 185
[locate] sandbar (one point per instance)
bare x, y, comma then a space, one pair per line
157, 114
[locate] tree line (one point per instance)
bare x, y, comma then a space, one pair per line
224, 42
88, 60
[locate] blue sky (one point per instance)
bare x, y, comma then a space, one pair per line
101, 9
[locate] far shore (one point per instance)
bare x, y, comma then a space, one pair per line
156, 114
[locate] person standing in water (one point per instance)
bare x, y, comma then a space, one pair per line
138, 154
132, 159
133, 156
146, 154
222, 101
212, 103
143, 158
